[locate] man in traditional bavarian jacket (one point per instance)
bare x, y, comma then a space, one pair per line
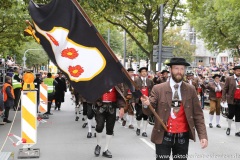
129, 108
17, 86
165, 77
190, 80
145, 85
106, 112
231, 94
51, 83
215, 96
177, 104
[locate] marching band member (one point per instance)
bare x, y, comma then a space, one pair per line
165, 77
129, 108
90, 118
106, 112
145, 85
215, 95
231, 94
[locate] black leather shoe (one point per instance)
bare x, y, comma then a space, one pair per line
77, 118
237, 134
84, 125
123, 123
48, 113
89, 135
97, 150
218, 126
95, 134
107, 154
228, 131
210, 125
131, 126
7, 121
144, 134
138, 132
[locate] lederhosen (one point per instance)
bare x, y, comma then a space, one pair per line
106, 111
176, 139
90, 110
217, 107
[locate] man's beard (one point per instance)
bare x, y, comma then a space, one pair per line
177, 78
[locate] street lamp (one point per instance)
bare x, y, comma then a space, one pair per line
24, 56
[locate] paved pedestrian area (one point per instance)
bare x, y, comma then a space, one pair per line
62, 138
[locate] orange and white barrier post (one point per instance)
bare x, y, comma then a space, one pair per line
43, 98
29, 117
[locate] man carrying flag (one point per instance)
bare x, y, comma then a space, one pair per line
178, 105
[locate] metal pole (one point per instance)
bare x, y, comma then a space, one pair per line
160, 38
125, 49
108, 37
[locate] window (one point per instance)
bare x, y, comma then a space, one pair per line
224, 59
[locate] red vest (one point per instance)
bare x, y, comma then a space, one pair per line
219, 94
237, 94
179, 124
110, 96
145, 91
199, 89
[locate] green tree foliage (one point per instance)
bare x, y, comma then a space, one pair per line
217, 21
182, 47
12, 23
140, 19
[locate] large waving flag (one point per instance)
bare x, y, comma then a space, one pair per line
75, 46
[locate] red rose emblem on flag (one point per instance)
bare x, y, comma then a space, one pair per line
70, 53
75, 71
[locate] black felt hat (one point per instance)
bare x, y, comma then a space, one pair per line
130, 69
163, 71
236, 67
216, 75
178, 61
190, 74
140, 69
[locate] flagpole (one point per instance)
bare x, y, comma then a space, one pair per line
116, 59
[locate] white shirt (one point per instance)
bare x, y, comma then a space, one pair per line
190, 82
145, 80
235, 79
172, 83
218, 87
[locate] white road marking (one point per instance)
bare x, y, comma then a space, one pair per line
148, 143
